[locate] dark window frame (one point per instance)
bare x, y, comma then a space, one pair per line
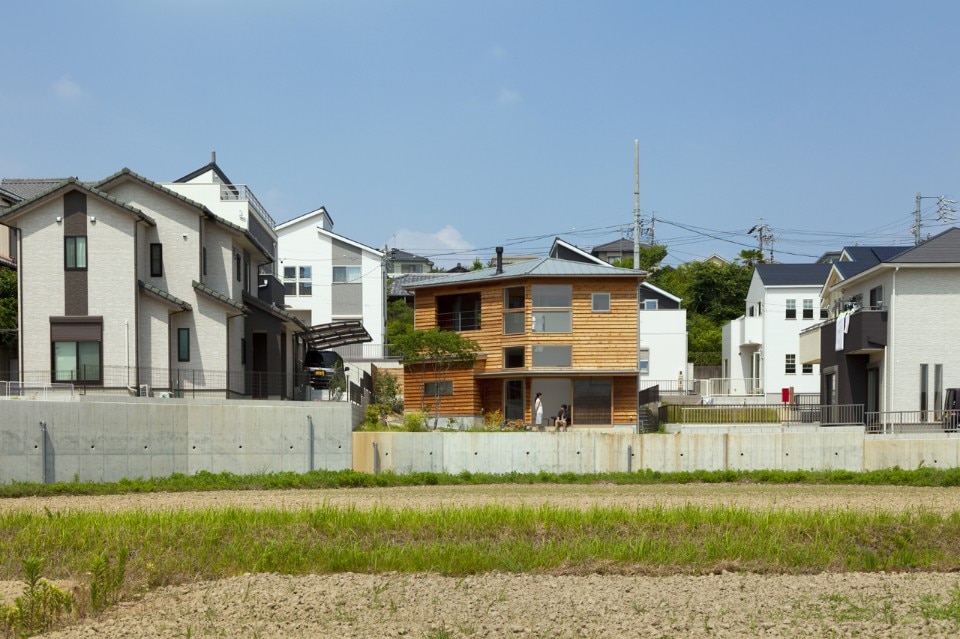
183, 344
67, 241
156, 259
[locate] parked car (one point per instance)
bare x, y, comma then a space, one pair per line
951, 409
322, 368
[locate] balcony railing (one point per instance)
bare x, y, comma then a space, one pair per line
242, 193
724, 386
824, 415
916, 421
46, 392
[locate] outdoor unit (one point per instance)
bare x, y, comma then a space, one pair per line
144, 390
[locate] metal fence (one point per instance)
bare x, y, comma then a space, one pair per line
673, 386
927, 421
46, 392
824, 415
731, 386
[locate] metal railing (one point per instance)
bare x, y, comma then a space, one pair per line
824, 415
240, 193
46, 392
672, 386
915, 421
731, 386
368, 352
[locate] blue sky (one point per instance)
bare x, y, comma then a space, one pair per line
447, 128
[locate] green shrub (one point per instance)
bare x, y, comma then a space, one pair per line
40, 606
415, 422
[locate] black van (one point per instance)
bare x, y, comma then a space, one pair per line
322, 367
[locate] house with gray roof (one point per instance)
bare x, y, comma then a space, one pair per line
130, 285
566, 329
761, 347
887, 343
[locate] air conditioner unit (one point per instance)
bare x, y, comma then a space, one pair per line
144, 390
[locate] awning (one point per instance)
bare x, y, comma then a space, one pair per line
322, 337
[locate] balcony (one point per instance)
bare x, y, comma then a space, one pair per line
866, 332
242, 193
810, 344
747, 331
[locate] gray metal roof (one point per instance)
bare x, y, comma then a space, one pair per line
541, 267
398, 284
939, 249
793, 274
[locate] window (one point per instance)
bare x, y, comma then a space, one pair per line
552, 356
750, 312
651, 305
513, 305
824, 312
513, 357
558, 297
592, 401
243, 351
156, 260
459, 312
76, 361
345, 274
791, 309
790, 368
438, 388
600, 302
183, 344
203, 259
807, 309
411, 268
876, 297
924, 390
238, 266
937, 386
807, 369
644, 361
75, 253
298, 280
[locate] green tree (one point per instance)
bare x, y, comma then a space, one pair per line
436, 351
399, 320
650, 258
8, 309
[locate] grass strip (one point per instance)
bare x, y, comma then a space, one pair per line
206, 481
184, 546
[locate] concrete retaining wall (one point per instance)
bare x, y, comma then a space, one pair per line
113, 438
771, 448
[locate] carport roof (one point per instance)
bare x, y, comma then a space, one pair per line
333, 334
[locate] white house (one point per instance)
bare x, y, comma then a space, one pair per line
328, 278
761, 348
897, 313
127, 284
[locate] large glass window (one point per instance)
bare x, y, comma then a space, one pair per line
513, 357
346, 274
459, 312
552, 356
298, 280
75, 252
592, 401
433, 389
76, 361
513, 310
559, 299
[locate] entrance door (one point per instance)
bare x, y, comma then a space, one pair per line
754, 387
513, 399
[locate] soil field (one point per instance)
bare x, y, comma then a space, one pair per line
537, 605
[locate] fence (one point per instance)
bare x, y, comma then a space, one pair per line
731, 386
825, 415
672, 386
927, 421
46, 392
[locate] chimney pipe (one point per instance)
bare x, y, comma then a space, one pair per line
499, 260
213, 157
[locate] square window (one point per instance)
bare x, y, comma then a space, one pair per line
808, 369
651, 305
824, 313
513, 298
289, 272
345, 274
600, 302
514, 356
306, 289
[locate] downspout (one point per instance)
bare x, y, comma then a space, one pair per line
637, 394
888, 365
20, 339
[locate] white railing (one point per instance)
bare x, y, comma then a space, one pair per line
724, 386
45, 392
241, 193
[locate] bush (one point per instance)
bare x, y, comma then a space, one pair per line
415, 422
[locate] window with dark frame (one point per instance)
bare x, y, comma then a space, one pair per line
243, 351
238, 266
75, 252
514, 356
203, 254
438, 388
183, 344
808, 369
156, 260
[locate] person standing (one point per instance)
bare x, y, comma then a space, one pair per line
538, 411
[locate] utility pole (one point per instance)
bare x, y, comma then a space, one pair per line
764, 235
636, 205
945, 211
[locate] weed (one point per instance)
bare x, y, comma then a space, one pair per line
932, 607
107, 580
40, 606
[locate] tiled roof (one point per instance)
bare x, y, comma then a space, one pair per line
939, 249
398, 285
164, 295
541, 267
397, 254
622, 245
125, 172
793, 274
217, 295
29, 188
74, 182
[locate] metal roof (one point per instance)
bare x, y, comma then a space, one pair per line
793, 274
333, 334
541, 267
939, 249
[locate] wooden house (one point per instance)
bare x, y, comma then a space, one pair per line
563, 328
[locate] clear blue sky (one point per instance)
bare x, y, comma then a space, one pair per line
449, 127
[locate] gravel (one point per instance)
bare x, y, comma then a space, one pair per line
536, 605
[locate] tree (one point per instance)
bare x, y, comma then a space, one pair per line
477, 264
8, 309
749, 257
650, 258
436, 351
399, 320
